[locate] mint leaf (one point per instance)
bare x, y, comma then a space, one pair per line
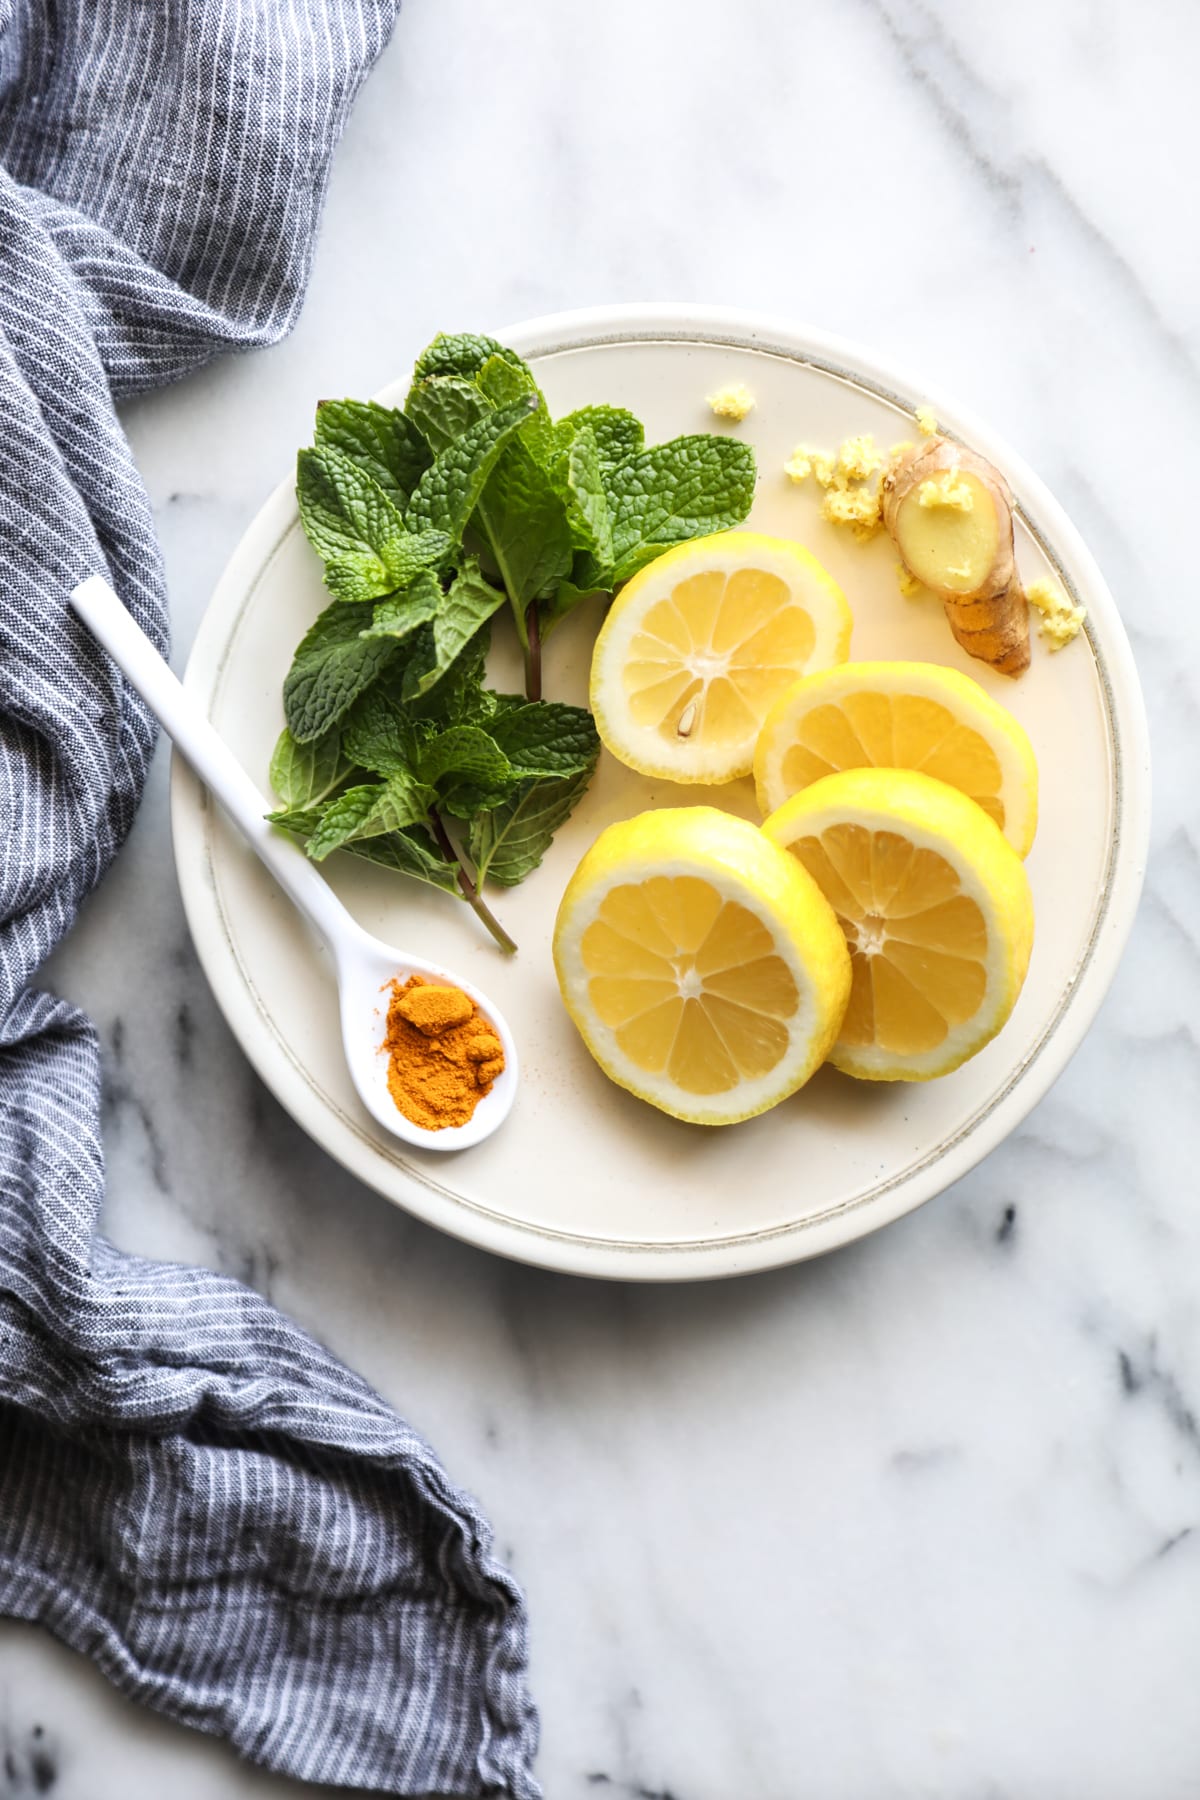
360, 575
381, 441
456, 698
303, 775
411, 852
366, 576
332, 666
588, 511
528, 533
460, 613
406, 556
509, 842
369, 811
504, 380
443, 408
543, 737
463, 750
351, 523
458, 353
342, 509
400, 614
301, 821
448, 492
378, 733
683, 489
545, 497
470, 772
618, 434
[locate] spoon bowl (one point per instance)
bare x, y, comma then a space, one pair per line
366, 967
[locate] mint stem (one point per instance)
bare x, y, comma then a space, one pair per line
533, 654
467, 888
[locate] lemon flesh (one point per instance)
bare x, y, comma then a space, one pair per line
701, 964
698, 645
936, 911
901, 715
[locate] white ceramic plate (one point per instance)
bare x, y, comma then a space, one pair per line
583, 1177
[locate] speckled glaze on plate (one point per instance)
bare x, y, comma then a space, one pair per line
583, 1178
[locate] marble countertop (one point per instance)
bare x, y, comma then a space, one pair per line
919, 1519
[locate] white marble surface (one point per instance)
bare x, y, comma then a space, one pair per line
921, 1519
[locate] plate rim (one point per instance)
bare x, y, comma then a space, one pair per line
347, 1140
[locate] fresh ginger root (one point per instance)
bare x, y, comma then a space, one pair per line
949, 514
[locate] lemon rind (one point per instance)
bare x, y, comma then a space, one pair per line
992, 875
744, 865
643, 748
1018, 764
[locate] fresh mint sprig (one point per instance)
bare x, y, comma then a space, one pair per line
429, 521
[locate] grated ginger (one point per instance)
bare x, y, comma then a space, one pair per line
1060, 620
806, 460
948, 490
732, 402
849, 477
858, 459
857, 507
927, 425
910, 587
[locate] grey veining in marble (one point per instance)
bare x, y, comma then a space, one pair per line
922, 1519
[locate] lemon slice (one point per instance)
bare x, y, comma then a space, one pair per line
936, 909
703, 967
905, 715
697, 646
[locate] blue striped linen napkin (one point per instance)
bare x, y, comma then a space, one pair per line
192, 1491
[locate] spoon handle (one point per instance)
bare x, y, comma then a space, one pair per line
214, 762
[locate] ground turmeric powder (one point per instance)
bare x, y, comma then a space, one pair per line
443, 1055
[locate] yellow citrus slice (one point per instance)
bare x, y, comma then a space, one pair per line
702, 965
902, 715
936, 909
698, 645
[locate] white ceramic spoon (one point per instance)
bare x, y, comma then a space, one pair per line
364, 965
